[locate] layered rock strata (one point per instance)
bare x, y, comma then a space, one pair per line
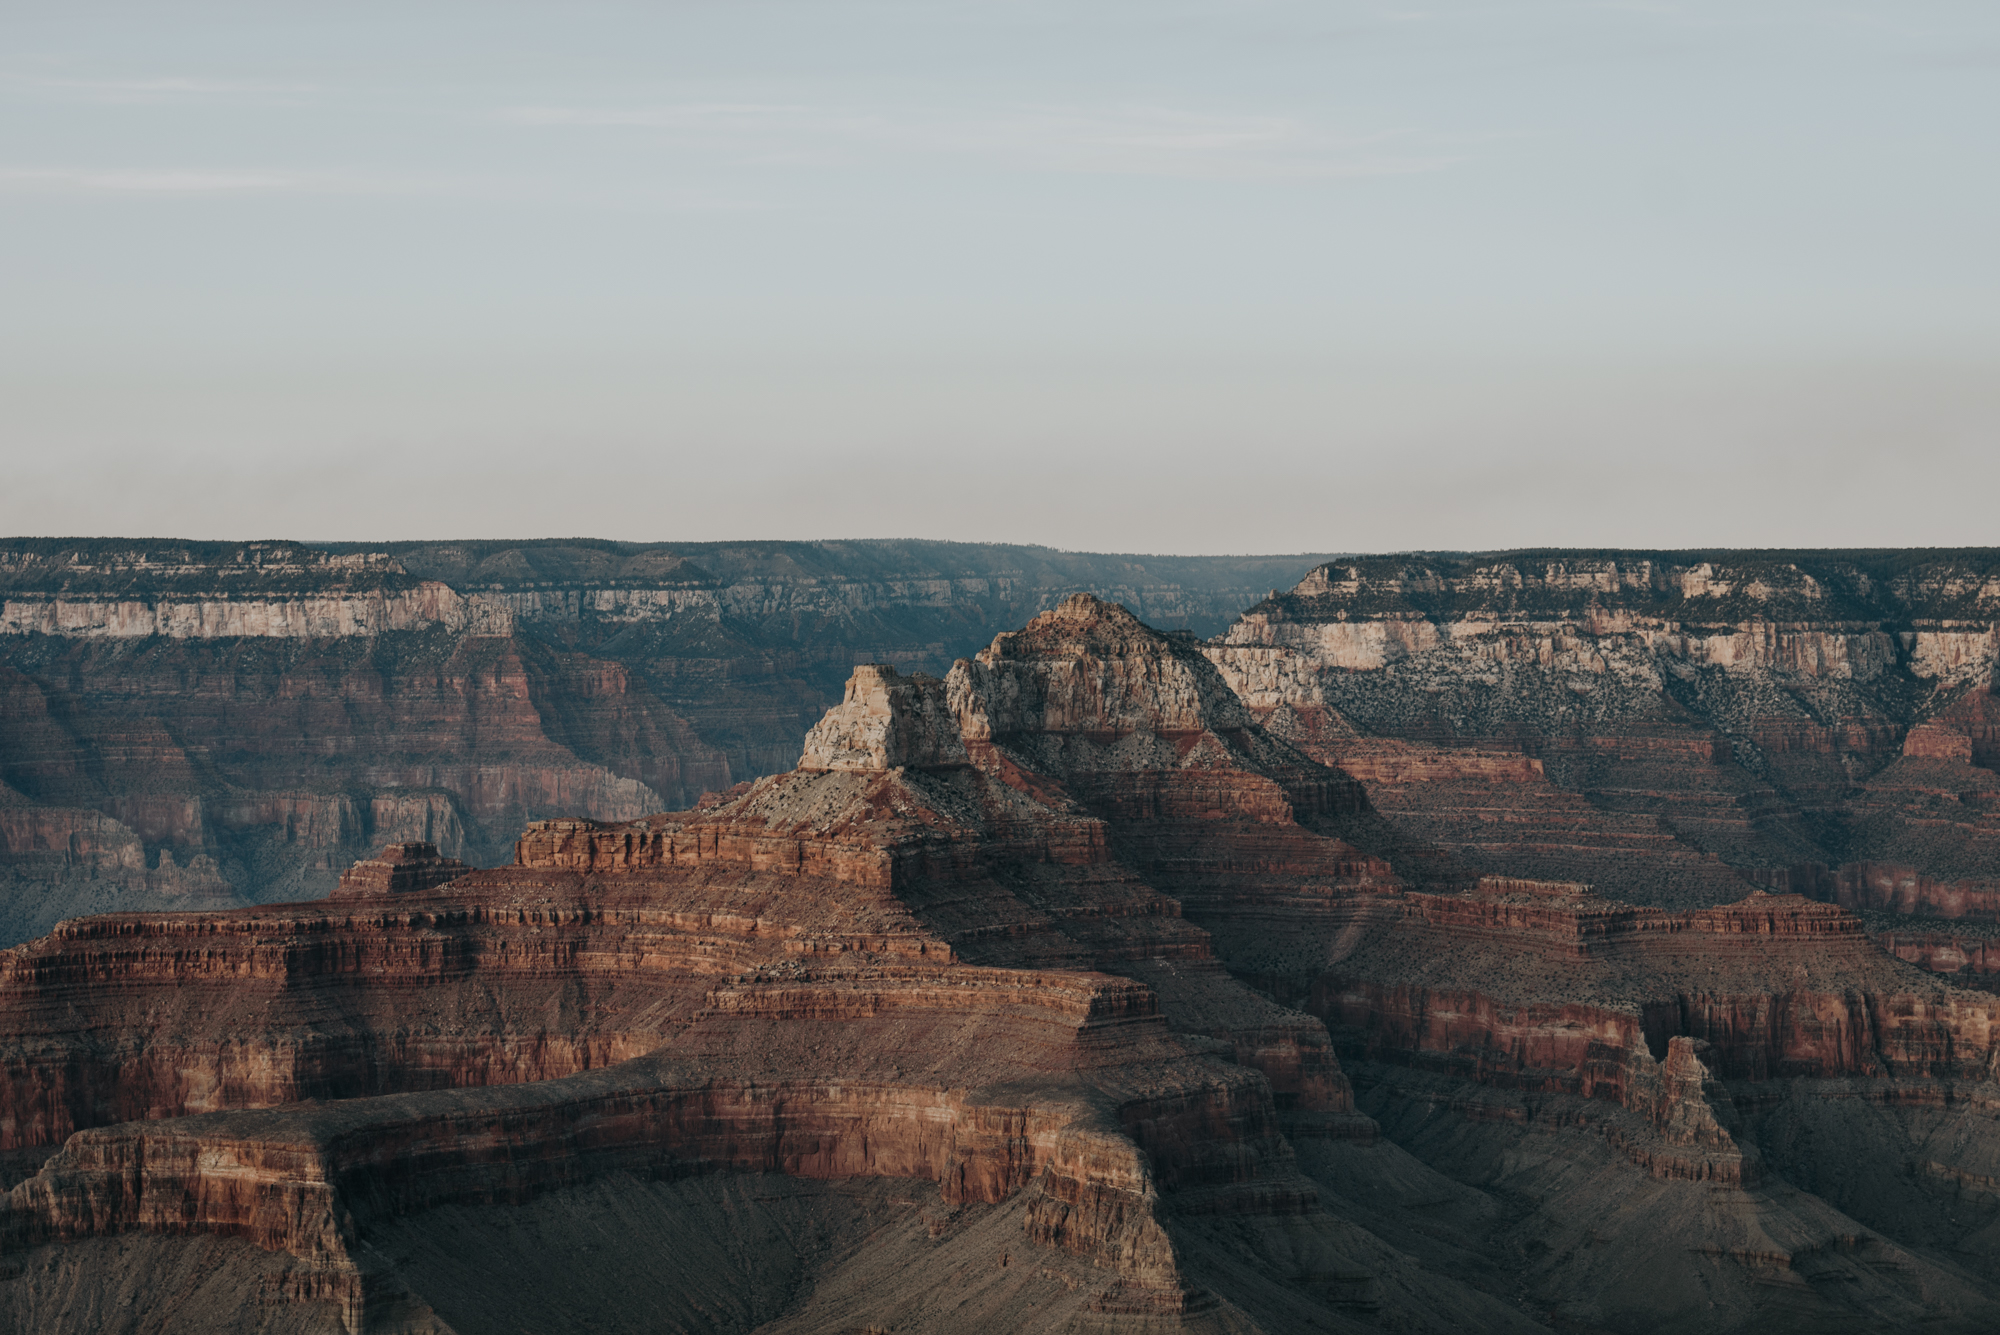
398, 869
280, 710
1671, 727
819, 976
1075, 932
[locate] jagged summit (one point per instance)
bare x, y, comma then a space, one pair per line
1089, 668
886, 721
1080, 623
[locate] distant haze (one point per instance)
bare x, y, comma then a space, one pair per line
1164, 277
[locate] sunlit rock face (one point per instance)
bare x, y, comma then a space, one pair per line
1673, 728
1084, 976
889, 962
886, 721
261, 714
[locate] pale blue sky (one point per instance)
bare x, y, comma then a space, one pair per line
1159, 276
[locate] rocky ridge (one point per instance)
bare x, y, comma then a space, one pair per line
259, 715
1135, 989
1671, 725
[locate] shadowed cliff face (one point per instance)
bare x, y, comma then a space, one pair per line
993, 936
1670, 727
185, 724
1085, 964
933, 971
195, 724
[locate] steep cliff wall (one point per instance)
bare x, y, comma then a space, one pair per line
867, 969
1665, 723
1672, 727
279, 709
1068, 935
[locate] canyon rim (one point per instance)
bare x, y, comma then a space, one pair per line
930, 937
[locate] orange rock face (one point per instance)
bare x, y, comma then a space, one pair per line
816, 977
1069, 930
399, 869
283, 711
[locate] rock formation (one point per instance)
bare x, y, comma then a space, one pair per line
886, 722
1070, 992
280, 710
1674, 726
399, 869
1679, 724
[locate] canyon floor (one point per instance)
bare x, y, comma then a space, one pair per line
1580, 942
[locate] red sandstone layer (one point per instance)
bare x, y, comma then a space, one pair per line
962, 959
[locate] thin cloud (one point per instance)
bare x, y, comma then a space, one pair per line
1161, 141
163, 88
1127, 140
695, 115
75, 180
1971, 58
169, 183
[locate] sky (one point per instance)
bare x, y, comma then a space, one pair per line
1156, 277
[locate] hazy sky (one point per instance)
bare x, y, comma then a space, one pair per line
1160, 276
